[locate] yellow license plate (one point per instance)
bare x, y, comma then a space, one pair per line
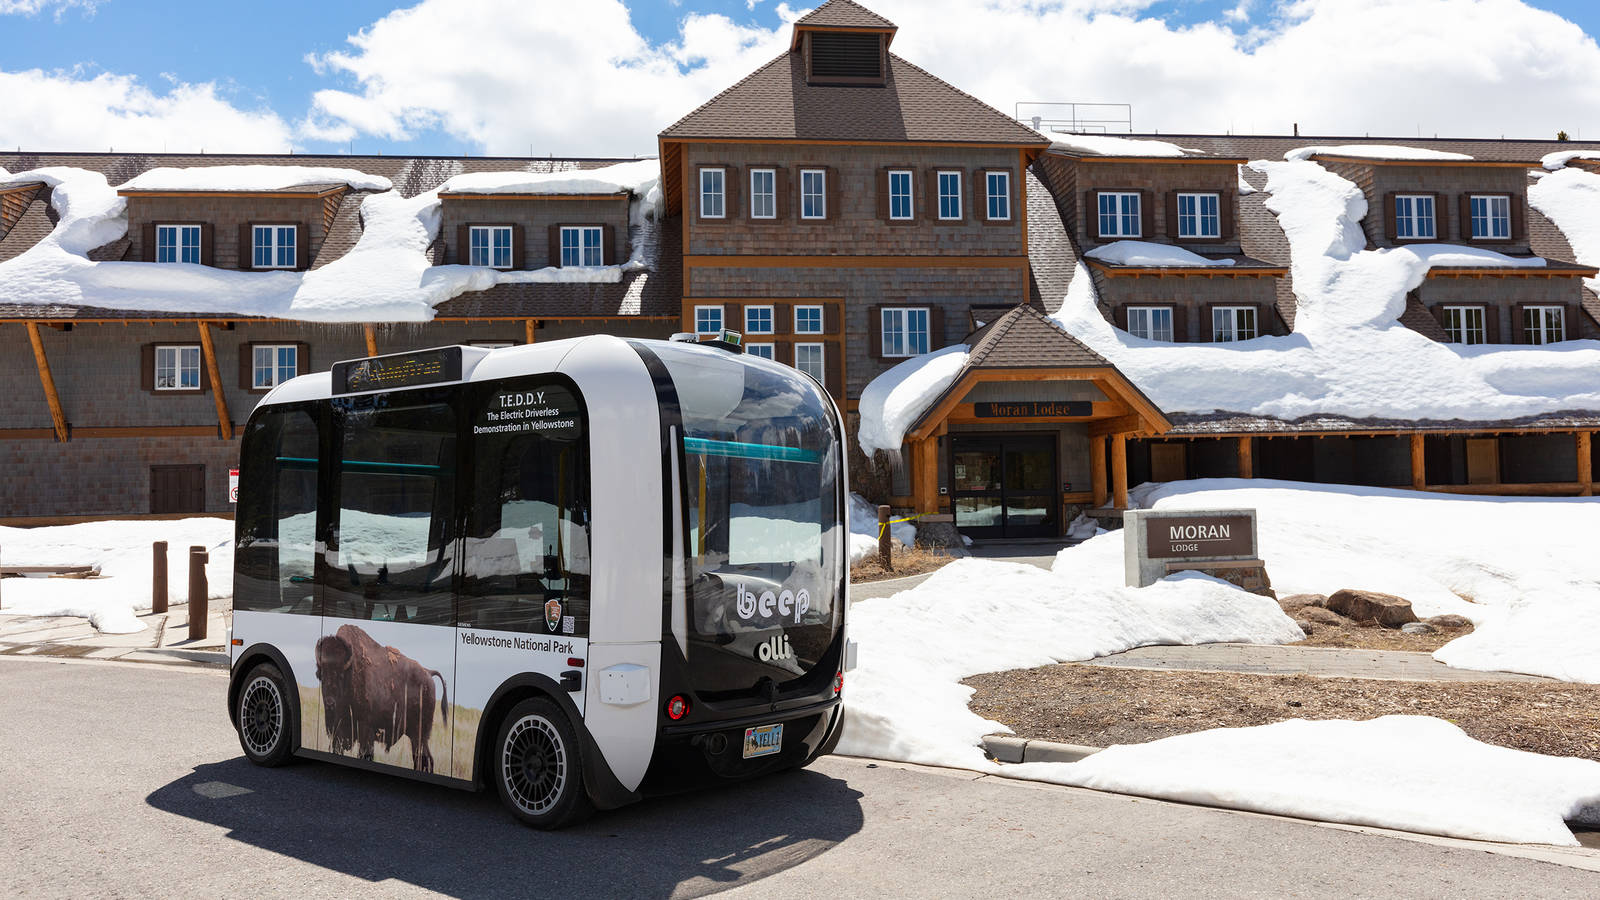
762, 740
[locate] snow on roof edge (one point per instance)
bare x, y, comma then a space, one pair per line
250, 178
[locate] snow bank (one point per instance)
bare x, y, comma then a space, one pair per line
1372, 151
1571, 199
864, 529
122, 551
1147, 253
1103, 145
891, 402
1413, 773
251, 178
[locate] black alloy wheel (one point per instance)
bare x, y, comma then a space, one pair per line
539, 767
265, 731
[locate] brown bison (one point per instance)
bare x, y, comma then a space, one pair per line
372, 693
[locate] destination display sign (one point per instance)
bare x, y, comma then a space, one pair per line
1199, 537
401, 370
1034, 409
548, 410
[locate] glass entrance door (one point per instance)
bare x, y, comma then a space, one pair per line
1004, 486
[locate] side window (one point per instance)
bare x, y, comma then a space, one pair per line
527, 540
390, 557
277, 514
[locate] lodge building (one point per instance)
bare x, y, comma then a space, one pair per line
846, 211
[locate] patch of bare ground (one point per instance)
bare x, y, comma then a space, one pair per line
1100, 706
1326, 628
903, 561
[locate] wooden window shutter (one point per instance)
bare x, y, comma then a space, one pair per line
780, 318
783, 351
875, 332
519, 247
1119, 316
247, 246
1438, 312
147, 367
1491, 324
1570, 331
780, 189
1091, 214
1180, 324
1172, 214
733, 316
935, 328
883, 194
147, 240
554, 257
833, 370
302, 246
208, 250
1261, 320
463, 244
1465, 207
608, 245
1147, 216
1226, 201
1389, 229
830, 318
831, 192
247, 364
1206, 335
731, 185
302, 358
929, 208
205, 374
1519, 217
1519, 323
980, 197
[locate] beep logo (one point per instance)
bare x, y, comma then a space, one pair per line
796, 603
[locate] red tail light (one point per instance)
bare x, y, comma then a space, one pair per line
838, 683
677, 707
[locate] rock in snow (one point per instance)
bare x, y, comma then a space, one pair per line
1363, 606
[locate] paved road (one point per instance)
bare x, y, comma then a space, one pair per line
123, 779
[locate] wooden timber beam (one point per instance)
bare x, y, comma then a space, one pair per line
218, 396
48, 382
530, 331
1247, 459
1119, 425
1419, 463
1119, 470
1585, 464
925, 475
372, 339
1097, 470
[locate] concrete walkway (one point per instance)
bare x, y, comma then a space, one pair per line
1322, 662
165, 638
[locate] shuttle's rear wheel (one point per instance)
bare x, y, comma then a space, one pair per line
539, 766
264, 730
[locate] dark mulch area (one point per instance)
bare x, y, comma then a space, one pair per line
903, 561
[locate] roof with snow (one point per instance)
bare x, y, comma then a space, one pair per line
844, 14
1025, 339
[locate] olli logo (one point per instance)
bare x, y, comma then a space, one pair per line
748, 603
775, 648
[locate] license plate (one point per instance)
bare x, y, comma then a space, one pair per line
762, 740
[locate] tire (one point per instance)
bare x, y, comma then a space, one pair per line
538, 766
265, 730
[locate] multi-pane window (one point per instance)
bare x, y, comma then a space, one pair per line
1233, 323
273, 364
707, 319
758, 319
762, 350
763, 193
489, 245
582, 245
1151, 322
1464, 324
808, 359
1199, 216
949, 195
900, 194
813, 194
1544, 324
713, 193
1413, 216
177, 368
178, 243
905, 331
808, 320
1491, 217
273, 247
997, 186
1119, 214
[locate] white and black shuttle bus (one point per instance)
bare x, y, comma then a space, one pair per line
584, 572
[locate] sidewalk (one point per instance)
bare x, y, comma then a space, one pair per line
1321, 662
165, 638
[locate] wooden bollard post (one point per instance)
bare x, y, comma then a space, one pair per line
158, 577
883, 539
197, 593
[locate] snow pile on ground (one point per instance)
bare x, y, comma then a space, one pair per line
1105, 145
1373, 151
894, 400
1148, 253
864, 529
251, 178
1407, 772
1570, 197
122, 551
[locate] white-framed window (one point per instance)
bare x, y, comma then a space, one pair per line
1544, 324
713, 193
1413, 217
1199, 216
763, 193
813, 193
1150, 322
707, 319
273, 246
764, 351
808, 320
1491, 217
949, 195
904, 331
177, 367
1233, 323
997, 185
489, 245
1119, 214
758, 320
582, 246
273, 364
808, 359
178, 243
1464, 324
900, 198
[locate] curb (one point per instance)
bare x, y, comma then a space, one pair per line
158, 655
1008, 749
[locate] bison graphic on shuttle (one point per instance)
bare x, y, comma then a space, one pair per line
373, 693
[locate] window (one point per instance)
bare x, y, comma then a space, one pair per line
1464, 324
949, 195
707, 319
177, 368
1150, 322
758, 320
763, 193
272, 247
808, 359
813, 194
762, 350
581, 246
713, 193
1413, 217
905, 331
1544, 324
998, 187
900, 195
1491, 217
275, 558
273, 364
178, 243
808, 320
1120, 215
1199, 216
1233, 323
490, 246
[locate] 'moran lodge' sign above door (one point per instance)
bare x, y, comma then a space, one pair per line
1034, 409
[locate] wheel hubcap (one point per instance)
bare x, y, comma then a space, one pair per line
534, 761
261, 716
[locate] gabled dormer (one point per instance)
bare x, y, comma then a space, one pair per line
842, 43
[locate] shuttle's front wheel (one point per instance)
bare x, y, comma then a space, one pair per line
539, 766
264, 730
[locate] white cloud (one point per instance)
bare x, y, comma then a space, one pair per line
34, 7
